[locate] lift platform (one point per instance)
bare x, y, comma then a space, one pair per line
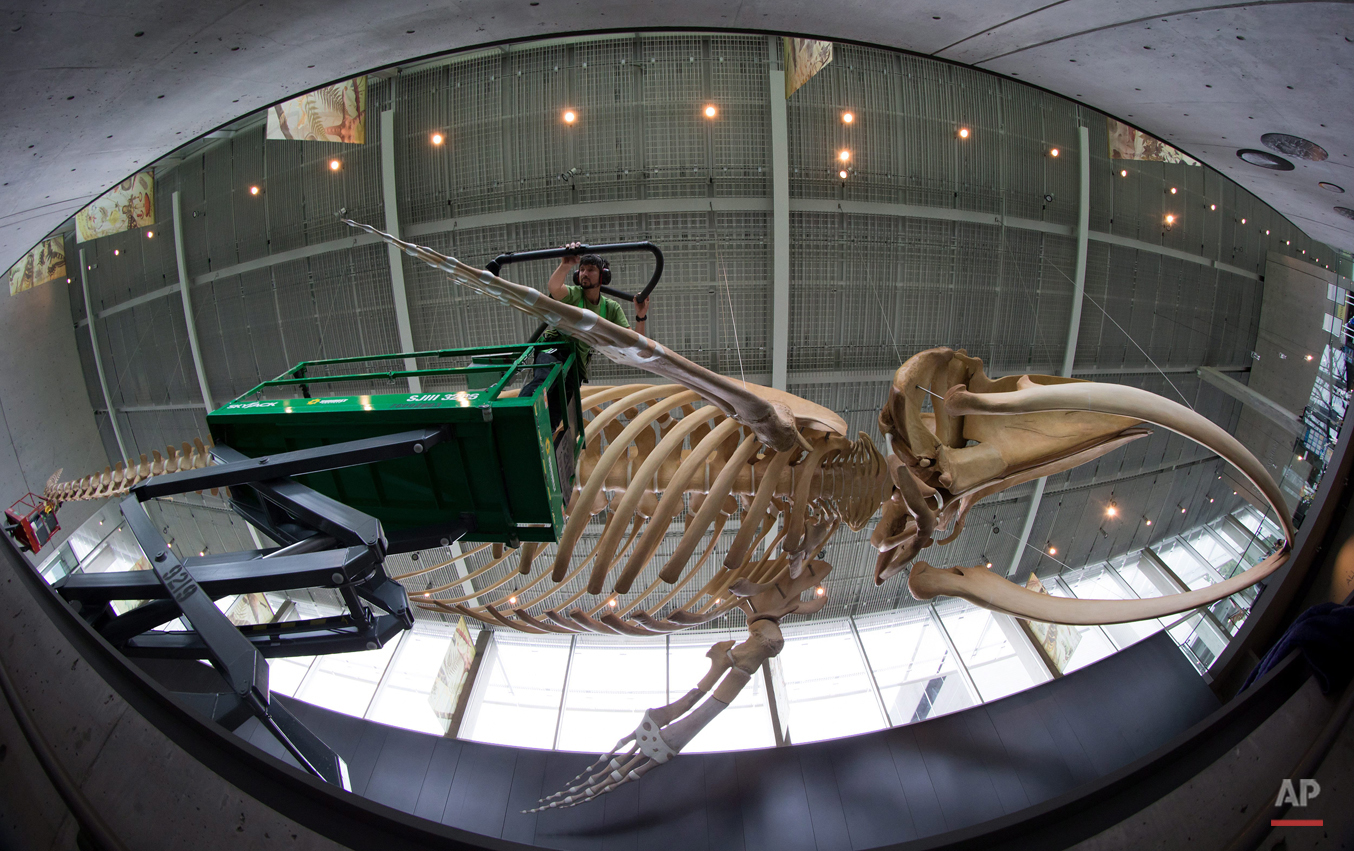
502, 463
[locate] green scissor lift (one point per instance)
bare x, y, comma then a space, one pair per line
505, 463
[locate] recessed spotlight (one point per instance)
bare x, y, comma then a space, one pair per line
570, 116
335, 165
1053, 152
1243, 221
438, 138
116, 252
1212, 206
842, 174
1264, 159
1170, 219
150, 234
1173, 190
1123, 172
844, 156
253, 190
710, 111
820, 591
963, 132
847, 118
1053, 551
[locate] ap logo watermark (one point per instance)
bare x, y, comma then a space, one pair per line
1306, 791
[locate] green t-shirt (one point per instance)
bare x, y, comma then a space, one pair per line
607, 308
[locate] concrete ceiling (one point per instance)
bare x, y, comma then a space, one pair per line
96, 90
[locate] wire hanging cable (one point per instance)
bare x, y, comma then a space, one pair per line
1129, 336
1141, 349
738, 346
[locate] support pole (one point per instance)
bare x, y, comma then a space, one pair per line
780, 220
392, 211
1073, 322
181, 257
98, 361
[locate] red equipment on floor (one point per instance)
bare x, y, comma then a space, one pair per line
32, 521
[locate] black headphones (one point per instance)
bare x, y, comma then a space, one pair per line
600, 263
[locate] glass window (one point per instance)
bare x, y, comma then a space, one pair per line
612, 681
826, 684
1189, 568
345, 682
918, 677
1091, 644
1199, 639
1102, 582
285, 673
1134, 576
747, 721
984, 650
518, 691
403, 701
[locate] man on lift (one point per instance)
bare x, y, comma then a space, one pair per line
591, 274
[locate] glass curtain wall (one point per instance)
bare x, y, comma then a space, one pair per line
836, 678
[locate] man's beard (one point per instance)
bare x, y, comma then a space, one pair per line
587, 286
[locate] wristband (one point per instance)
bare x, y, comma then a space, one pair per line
641, 318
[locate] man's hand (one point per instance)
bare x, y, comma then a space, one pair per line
641, 314
569, 261
559, 279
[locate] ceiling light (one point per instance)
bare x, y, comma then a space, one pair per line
569, 116
1053, 551
1309, 357
1149, 522
844, 156
1182, 509
963, 132
847, 118
1210, 499
820, 591
335, 165
613, 603
1053, 153
438, 138
1212, 206
710, 111
512, 601
150, 234
116, 252
1243, 221
1266, 233
1123, 172
842, 174
1112, 511
1288, 242
1173, 190
1170, 219
253, 190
